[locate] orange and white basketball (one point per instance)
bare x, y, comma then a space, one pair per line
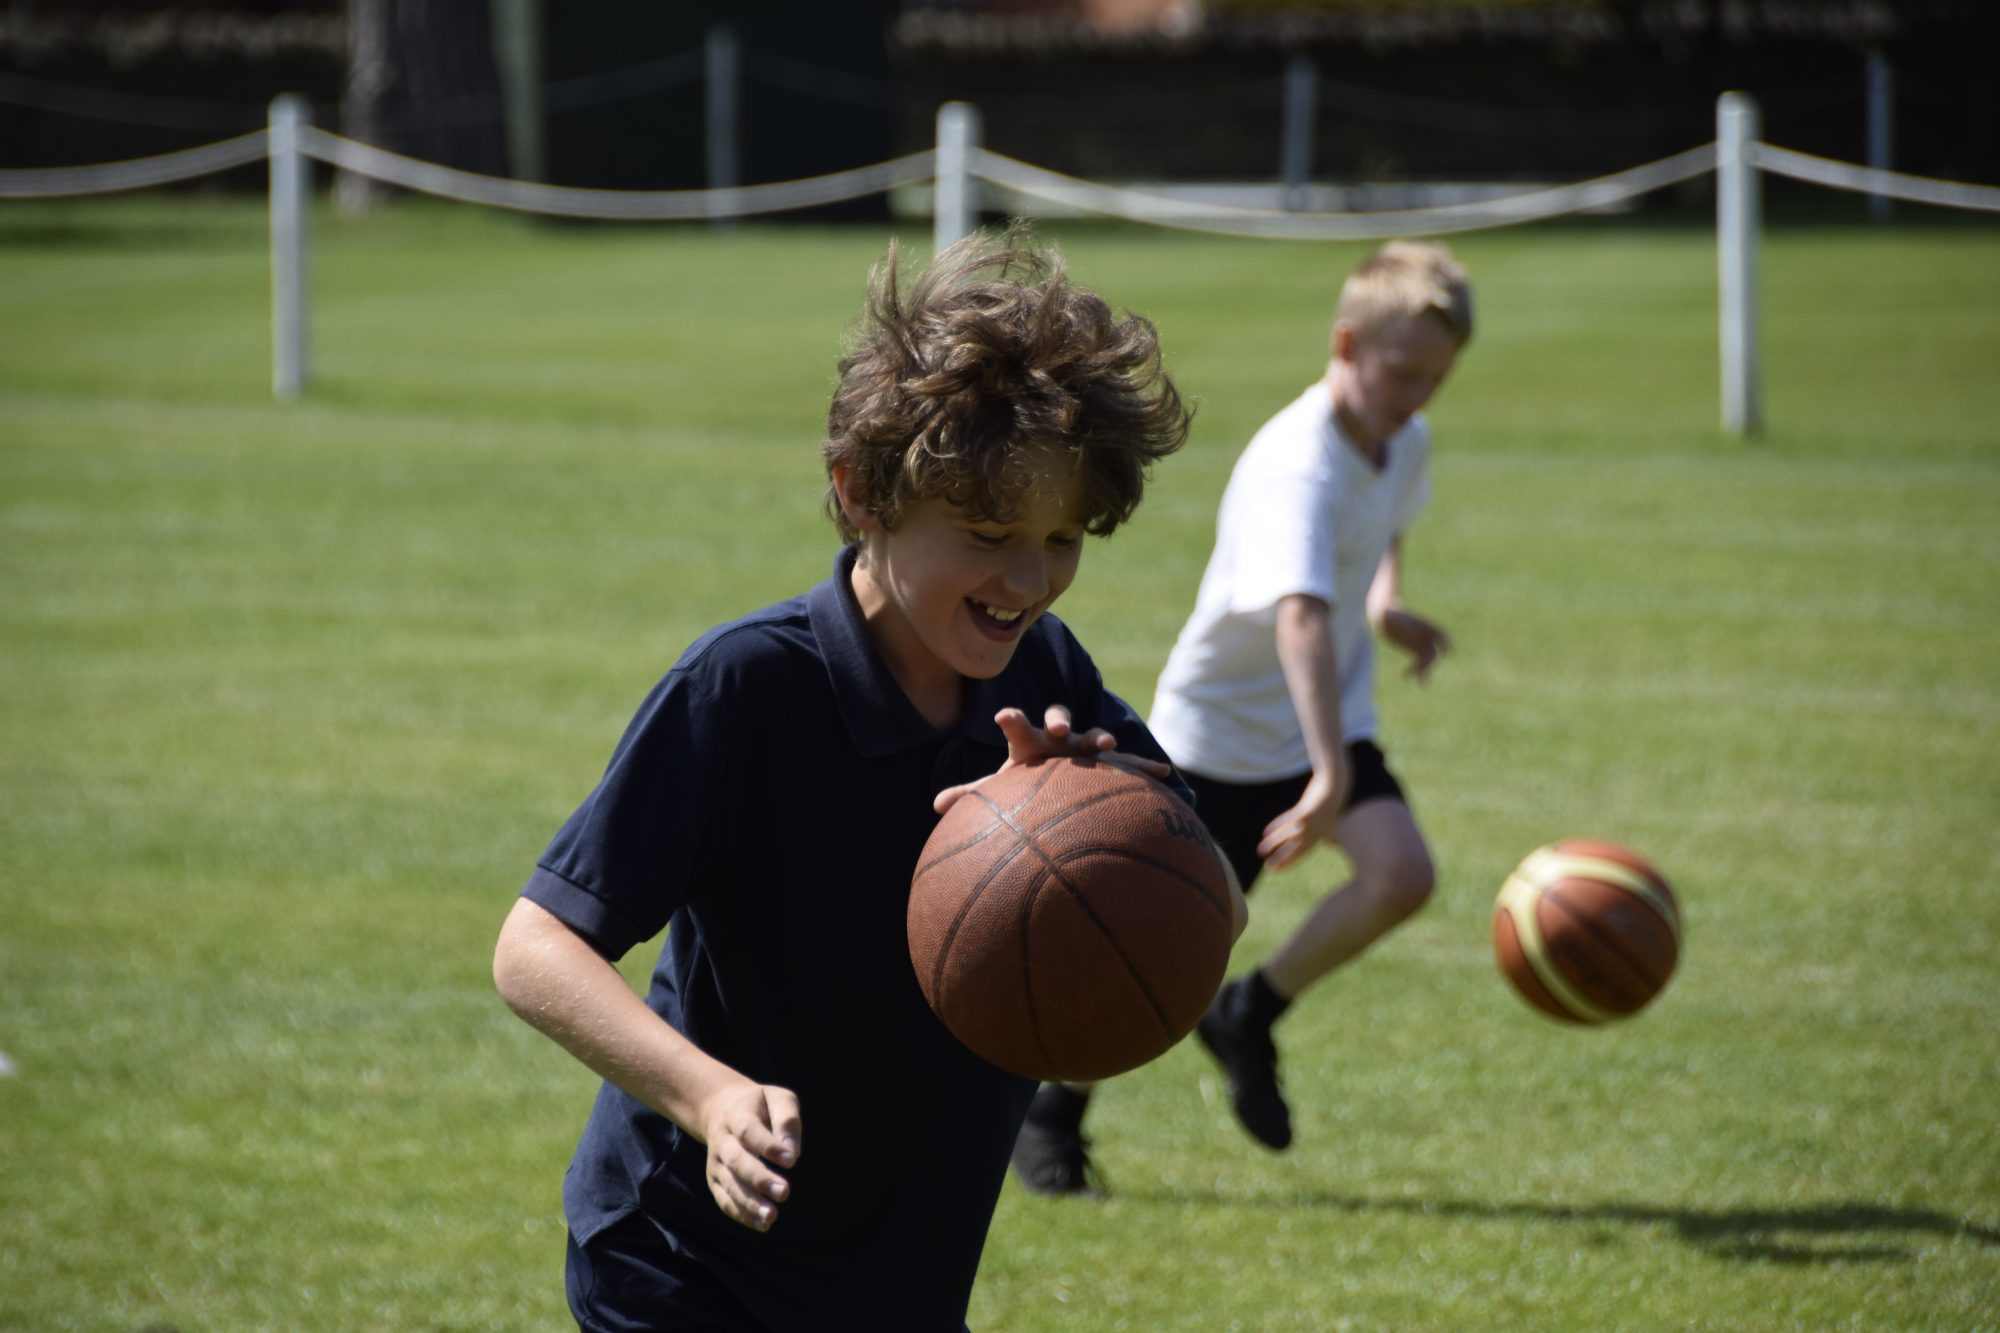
1587, 931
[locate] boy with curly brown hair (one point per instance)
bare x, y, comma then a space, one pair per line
787, 1137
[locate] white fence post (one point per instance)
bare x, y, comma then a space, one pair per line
1736, 227
723, 60
1881, 126
291, 197
954, 206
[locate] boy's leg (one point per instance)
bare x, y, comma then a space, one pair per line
1393, 877
1051, 1155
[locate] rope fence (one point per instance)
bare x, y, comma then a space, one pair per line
138, 173
1278, 224
1873, 181
570, 201
959, 166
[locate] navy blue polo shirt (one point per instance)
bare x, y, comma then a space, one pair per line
767, 806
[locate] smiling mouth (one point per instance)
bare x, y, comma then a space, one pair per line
996, 620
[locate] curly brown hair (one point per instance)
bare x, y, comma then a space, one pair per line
964, 385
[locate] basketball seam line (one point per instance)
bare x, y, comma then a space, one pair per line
1548, 864
1166, 868
1518, 895
1023, 838
1055, 871
1060, 815
1611, 942
965, 908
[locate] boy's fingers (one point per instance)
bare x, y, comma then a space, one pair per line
761, 1150
737, 1198
1025, 741
1280, 831
783, 1105
1014, 724
756, 1213
1138, 763
747, 1167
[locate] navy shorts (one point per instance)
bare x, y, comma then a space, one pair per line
630, 1278
1237, 812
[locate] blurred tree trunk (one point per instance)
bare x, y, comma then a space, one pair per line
422, 81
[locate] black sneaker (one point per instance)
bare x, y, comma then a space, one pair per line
1054, 1158
1250, 1058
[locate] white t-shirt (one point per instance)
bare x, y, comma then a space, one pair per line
1304, 512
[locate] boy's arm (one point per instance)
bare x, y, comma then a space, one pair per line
1424, 640
561, 986
1312, 677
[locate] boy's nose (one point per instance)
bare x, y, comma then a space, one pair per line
1027, 577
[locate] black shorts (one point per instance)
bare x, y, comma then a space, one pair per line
629, 1278
1237, 812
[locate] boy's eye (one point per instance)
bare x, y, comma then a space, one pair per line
1066, 541
993, 539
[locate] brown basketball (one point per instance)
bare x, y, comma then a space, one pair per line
1069, 919
1588, 932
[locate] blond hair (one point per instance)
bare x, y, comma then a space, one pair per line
1401, 281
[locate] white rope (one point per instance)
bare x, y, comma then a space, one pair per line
615, 205
1872, 180
136, 174
1006, 172
1224, 220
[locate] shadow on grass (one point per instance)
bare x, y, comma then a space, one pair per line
1832, 1233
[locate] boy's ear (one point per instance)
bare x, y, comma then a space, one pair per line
855, 502
1344, 341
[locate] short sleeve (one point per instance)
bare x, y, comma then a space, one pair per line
622, 863
1281, 536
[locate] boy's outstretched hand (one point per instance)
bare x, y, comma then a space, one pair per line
1425, 641
1311, 821
1027, 742
750, 1128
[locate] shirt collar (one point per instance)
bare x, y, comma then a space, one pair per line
879, 717
1344, 453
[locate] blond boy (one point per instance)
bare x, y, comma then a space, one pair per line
1266, 702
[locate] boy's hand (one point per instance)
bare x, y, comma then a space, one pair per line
1424, 640
749, 1128
1027, 742
1310, 822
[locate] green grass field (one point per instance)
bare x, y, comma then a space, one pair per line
294, 696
